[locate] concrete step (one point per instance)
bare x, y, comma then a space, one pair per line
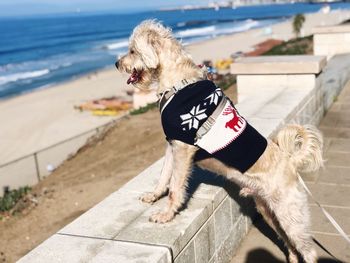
303, 64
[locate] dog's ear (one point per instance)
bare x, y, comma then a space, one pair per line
147, 46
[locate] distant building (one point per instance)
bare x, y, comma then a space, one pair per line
216, 5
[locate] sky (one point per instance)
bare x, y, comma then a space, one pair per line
33, 7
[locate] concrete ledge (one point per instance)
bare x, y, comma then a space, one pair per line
331, 40
331, 29
271, 65
66, 248
336, 75
215, 220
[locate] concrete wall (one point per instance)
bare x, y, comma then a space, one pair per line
335, 76
333, 40
215, 220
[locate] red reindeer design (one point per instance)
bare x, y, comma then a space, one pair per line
236, 122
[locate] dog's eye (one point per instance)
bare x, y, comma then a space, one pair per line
132, 51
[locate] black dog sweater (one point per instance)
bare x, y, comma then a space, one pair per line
231, 139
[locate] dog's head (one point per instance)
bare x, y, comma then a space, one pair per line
143, 61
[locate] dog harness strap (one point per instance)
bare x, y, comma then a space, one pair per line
167, 95
206, 126
165, 100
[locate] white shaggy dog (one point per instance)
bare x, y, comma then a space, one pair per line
155, 56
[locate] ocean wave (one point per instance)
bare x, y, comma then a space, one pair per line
181, 24
117, 45
196, 31
23, 75
227, 28
193, 23
51, 64
241, 26
64, 65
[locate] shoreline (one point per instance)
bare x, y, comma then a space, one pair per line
111, 67
190, 47
41, 118
56, 84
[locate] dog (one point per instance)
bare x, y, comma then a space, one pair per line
155, 56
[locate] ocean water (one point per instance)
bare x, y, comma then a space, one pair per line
36, 52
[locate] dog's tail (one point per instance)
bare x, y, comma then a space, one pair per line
304, 144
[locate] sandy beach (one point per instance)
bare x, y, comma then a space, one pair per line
42, 118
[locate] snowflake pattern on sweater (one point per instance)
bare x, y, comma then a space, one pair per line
197, 113
193, 117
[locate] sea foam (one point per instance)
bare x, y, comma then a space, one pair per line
196, 32
216, 30
117, 45
23, 75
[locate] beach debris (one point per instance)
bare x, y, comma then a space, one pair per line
223, 64
236, 55
50, 167
208, 63
105, 112
215, 70
211, 70
106, 106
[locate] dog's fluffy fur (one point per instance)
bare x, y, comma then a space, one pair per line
155, 56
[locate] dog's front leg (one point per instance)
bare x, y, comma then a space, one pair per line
164, 180
182, 164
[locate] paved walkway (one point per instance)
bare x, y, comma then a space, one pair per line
331, 187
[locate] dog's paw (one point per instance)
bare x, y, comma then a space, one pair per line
162, 217
149, 198
245, 191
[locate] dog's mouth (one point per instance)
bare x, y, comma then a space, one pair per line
134, 77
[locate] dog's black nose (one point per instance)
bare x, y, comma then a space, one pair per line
117, 64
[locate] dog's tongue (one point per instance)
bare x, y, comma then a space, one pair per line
133, 78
